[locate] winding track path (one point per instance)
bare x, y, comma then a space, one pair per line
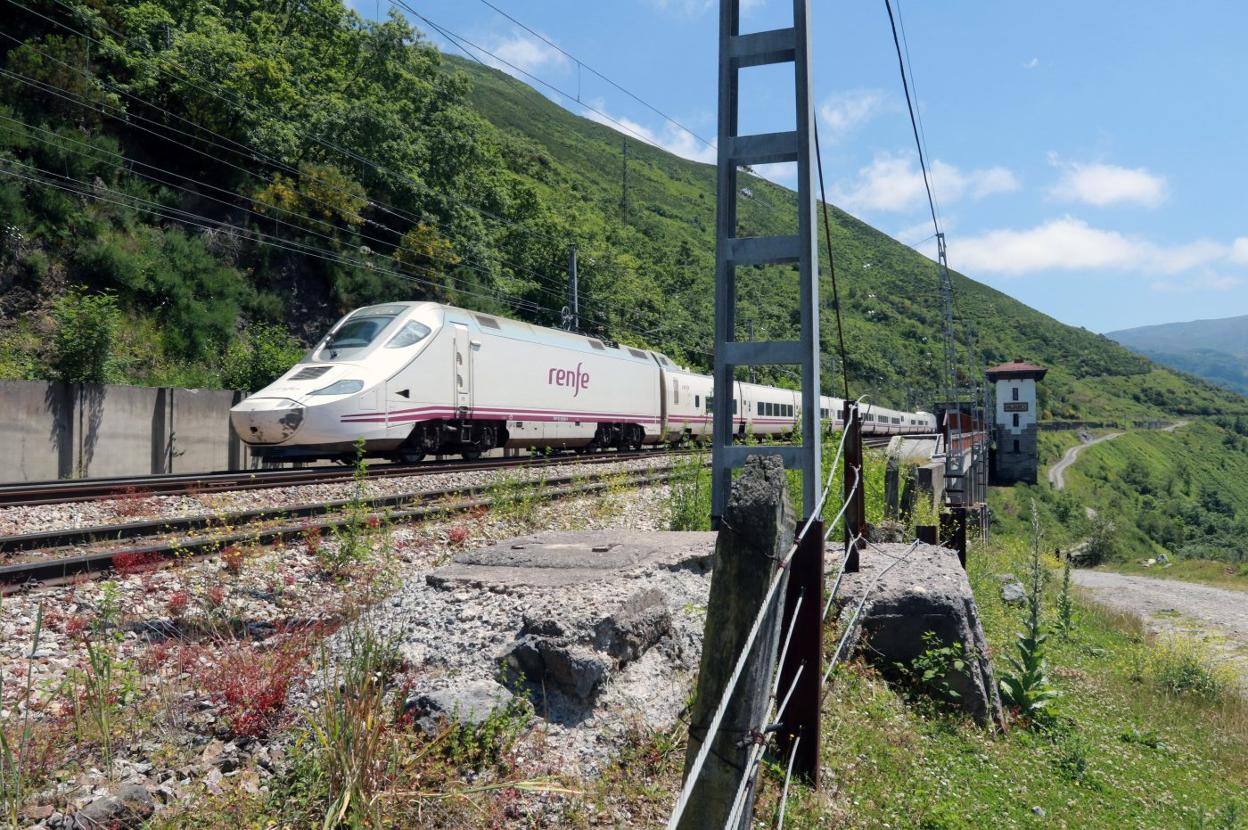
1169, 605
1057, 473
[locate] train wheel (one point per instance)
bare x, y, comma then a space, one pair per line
471, 455
410, 457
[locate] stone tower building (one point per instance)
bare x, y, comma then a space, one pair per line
1016, 457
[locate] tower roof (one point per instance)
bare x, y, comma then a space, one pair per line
1016, 369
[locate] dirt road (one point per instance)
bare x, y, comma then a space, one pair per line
1217, 615
1057, 473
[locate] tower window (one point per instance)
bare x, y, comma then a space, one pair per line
1015, 391
1015, 419
1015, 445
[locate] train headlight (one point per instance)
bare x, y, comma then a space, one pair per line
341, 387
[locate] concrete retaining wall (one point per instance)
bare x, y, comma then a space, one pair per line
56, 430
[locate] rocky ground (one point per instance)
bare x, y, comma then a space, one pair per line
182, 680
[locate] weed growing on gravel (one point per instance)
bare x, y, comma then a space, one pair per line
353, 747
17, 739
251, 683
689, 493
516, 499
354, 536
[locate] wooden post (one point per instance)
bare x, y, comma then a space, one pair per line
856, 512
756, 532
801, 717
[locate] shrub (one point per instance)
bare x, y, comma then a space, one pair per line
261, 355
86, 328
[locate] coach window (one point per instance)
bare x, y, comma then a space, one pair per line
697, 401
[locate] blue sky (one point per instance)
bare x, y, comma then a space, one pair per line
1088, 158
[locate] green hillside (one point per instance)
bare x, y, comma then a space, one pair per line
321, 162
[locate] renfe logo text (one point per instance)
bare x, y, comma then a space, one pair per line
574, 378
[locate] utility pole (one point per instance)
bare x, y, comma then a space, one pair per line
574, 307
624, 199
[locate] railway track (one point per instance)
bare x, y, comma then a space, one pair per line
187, 538
91, 489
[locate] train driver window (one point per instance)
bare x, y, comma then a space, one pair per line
411, 334
697, 401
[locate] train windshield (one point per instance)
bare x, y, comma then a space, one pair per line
358, 332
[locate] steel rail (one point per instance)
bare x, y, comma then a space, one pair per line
165, 484
17, 576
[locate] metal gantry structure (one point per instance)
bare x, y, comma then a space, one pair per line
737, 52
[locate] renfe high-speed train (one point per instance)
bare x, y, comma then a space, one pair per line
412, 378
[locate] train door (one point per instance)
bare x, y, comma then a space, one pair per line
461, 369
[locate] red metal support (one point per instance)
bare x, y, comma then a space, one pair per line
801, 716
855, 470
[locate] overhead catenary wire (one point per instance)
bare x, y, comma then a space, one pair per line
460, 39
827, 236
592, 70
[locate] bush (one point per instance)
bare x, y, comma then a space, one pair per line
259, 357
86, 329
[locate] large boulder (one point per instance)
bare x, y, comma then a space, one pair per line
927, 591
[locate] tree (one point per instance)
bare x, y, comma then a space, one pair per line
86, 327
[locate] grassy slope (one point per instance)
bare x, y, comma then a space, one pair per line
889, 290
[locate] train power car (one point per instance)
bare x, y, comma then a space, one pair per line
414, 378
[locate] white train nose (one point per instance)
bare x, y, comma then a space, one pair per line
266, 420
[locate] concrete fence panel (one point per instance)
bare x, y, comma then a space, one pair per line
36, 428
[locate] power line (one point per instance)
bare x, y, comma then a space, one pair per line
827, 236
461, 39
581, 63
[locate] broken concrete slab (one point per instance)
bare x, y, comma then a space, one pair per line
605, 627
926, 591
551, 560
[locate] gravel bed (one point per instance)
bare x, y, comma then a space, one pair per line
76, 515
171, 627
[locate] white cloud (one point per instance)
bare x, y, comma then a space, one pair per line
1102, 185
845, 111
525, 52
669, 137
1239, 250
1031, 64
895, 183
1070, 244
